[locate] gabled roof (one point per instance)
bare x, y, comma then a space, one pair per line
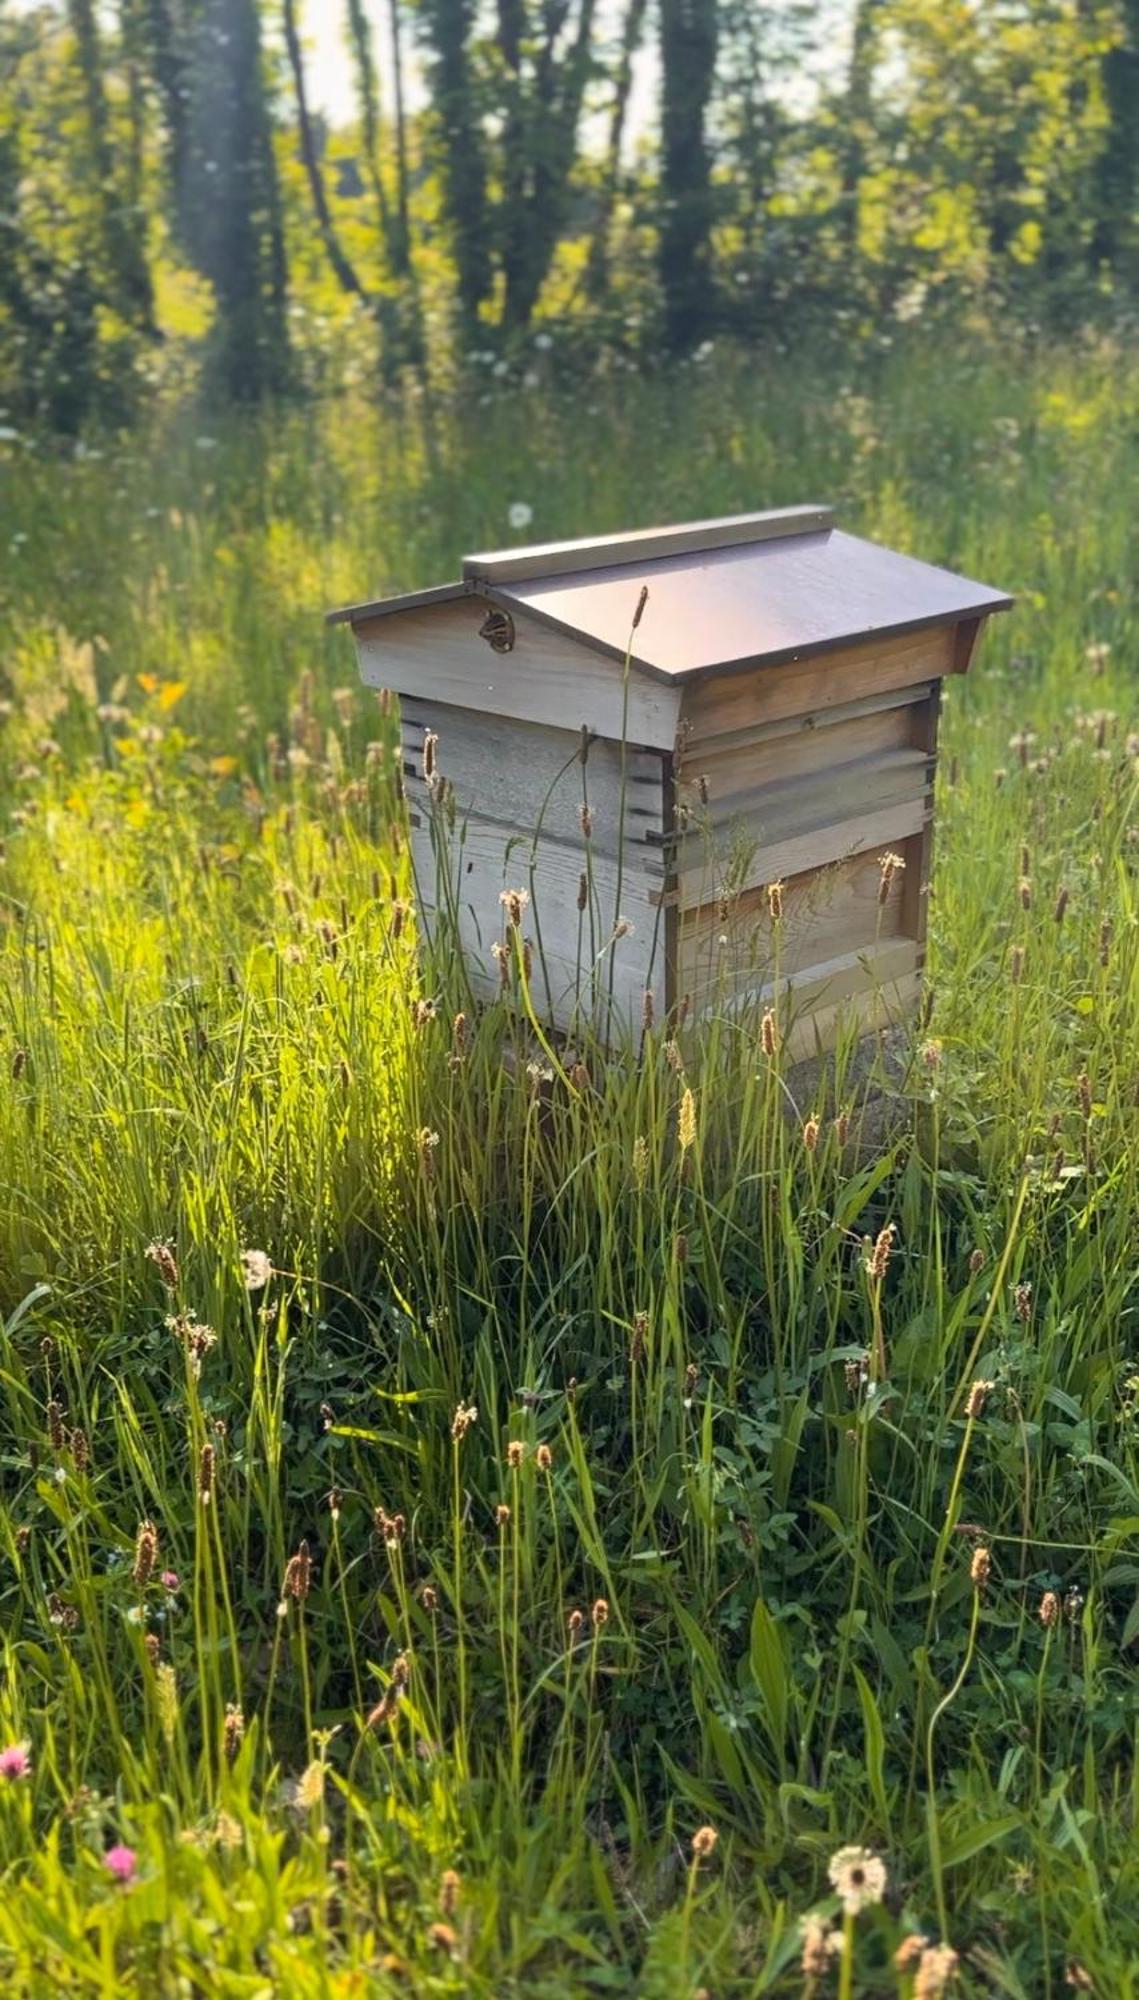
749, 589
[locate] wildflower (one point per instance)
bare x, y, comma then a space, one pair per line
515, 1453
55, 1430
980, 1569
256, 1269
641, 603
890, 866
975, 1402
442, 1936
841, 1128
858, 1878
935, 1970
520, 515
170, 1580
145, 1555
309, 1790
574, 1623
775, 901
819, 1942
769, 1033
621, 929
600, 1614
233, 1733
429, 1598
878, 1258
686, 1120
15, 1763
450, 1883
544, 1458
162, 1255
502, 1515
704, 1843
976, 1262
464, 1417
1022, 1302
811, 1134
121, 1862
1024, 891
1060, 906
1049, 1611
514, 902
298, 1574
909, 1951
206, 1465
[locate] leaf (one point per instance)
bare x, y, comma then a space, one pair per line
769, 1672
982, 1834
875, 1737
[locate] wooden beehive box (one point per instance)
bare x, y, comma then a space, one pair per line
769, 716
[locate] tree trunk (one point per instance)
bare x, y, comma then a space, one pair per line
857, 116
688, 63
124, 249
447, 26
597, 267
343, 268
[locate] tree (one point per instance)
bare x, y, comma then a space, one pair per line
597, 268
1116, 189
688, 40
447, 26
122, 223
232, 203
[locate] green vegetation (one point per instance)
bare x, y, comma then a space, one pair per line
699, 1560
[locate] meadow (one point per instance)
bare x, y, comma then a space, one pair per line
451, 1539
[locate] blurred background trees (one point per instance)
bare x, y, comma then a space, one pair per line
550, 184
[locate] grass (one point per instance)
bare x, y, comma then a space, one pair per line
578, 1480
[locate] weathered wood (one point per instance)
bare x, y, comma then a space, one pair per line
525, 775
828, 915
732, 769
436, 655
765, 694
644, 544
809, 852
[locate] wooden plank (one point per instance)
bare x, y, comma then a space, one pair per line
783, 726
604, 551
828, 915
885, 964
732, 701
773, 811
731, 769
437, 655
807, 852
874, 1009
578, 962
919, 850
525, 775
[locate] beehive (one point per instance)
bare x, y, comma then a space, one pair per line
645, 731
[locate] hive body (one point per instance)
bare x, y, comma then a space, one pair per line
760, 716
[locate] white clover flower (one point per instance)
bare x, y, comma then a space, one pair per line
520, 515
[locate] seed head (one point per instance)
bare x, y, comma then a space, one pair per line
430, 756
585, 820
878, 1260
976, 1262
811, 1134
298, 1574
1049, 1610
890, 866
502, 1515
980, 1569
1024, 891
234, 1731
162, 1255
515, 1453
514, 902
769, 1033
450, 1885
975, 1402
429, 1597
600, 1614
574, 1623
641, 603
686, 1121
1022, 1302
1016, 964
819, 1945
145, 1555
461, 1422
206, 1466
858, 1878
57, 1436
936, 1968
1060, 906
256, 1270
544, 1458
704, 1843
775, 901
582, 891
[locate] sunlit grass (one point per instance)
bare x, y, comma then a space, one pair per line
704, 1557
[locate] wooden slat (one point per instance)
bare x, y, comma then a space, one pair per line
771, 812
736, 768
884, 964
521, 774
827, 916
875, 1008
818, 848
481, 860
606, 551
745, 734
765, 694
437, 655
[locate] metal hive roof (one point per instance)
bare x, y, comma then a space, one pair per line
737, 592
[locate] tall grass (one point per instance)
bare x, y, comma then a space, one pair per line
632, 1441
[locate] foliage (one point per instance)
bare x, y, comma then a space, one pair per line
737, 1592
